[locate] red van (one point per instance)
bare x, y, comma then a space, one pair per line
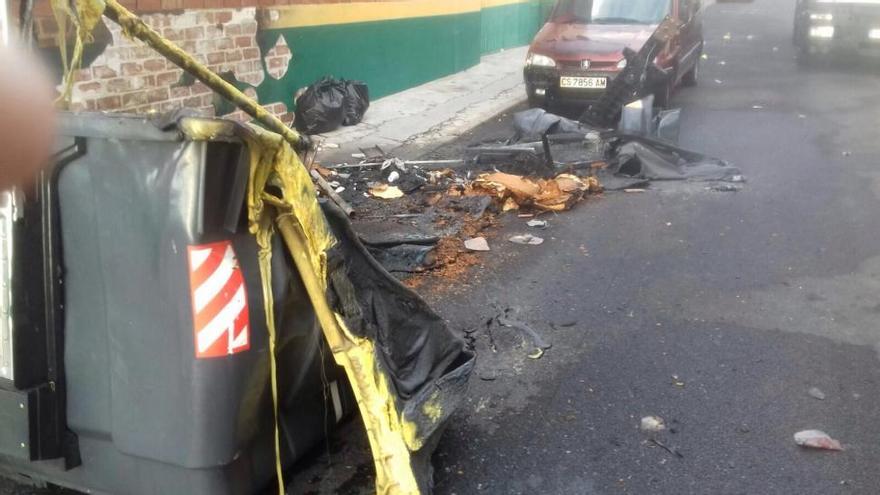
580, 49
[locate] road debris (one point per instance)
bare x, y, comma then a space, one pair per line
477, 244
815, 393
548, 164
331, 191
529, 334
405, 258
663, 446
384, 191
565, 322
532, 124
527, 239
724, 188
652, 424
537, 224
816, 439
557, 194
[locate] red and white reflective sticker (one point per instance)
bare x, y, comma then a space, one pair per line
219, 301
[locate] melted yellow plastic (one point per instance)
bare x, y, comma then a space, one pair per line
298, 217
88, 14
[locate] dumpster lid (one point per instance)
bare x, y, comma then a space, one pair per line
175, 126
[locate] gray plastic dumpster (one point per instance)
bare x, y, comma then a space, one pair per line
133, 330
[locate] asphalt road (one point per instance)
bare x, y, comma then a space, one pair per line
715, 311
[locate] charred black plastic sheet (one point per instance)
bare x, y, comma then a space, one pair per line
649, 159
533, 124
429, 366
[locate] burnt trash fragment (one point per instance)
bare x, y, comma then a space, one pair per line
405, 258
506, 319
374, 154
638, 118
532, 124
374, 235
410, 181
650, 159
527, 240
652, 424
398, 249
477, 244
816, 439
522, 159
667, 125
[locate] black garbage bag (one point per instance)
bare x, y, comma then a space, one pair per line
321, 107
330, 103
356, 103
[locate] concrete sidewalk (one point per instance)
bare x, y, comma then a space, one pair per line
435, 112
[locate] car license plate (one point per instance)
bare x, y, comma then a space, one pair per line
583, 82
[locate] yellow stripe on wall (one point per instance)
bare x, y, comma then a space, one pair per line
488, 4
291, 16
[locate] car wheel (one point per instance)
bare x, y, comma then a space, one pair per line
692, 77
803, 55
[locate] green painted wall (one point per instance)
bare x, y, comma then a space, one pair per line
391, 56
509, 25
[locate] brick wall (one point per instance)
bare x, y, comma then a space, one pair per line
130, 77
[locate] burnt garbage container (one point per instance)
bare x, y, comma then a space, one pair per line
133, 342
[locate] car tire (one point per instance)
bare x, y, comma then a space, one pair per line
803, 55
692, 78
